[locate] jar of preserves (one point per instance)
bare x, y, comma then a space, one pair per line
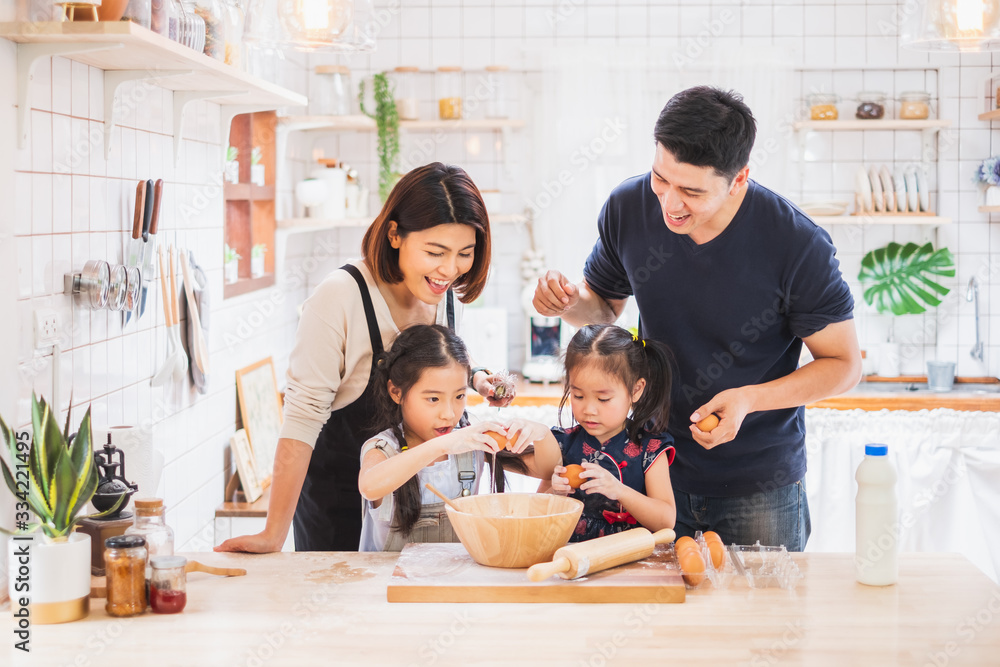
407, 102
330, 91
823, 106
150, 525
871, 105
449, 83
168, 584
914, 105
125, 567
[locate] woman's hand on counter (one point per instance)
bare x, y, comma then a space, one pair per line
261, 543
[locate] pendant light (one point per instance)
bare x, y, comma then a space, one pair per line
953, 25
342, 26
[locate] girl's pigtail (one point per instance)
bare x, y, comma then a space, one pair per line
652, 411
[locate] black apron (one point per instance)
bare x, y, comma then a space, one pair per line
328, 514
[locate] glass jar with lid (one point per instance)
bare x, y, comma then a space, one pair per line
235, 22
407, 102
871, 105
150, 524
330, 91
496, 103
449, 86
168, 584
823, 106
139, 11
914, 105
125, 568
214, 15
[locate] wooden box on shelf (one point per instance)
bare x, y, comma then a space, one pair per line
250, 208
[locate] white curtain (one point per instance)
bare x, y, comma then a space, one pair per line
948, 463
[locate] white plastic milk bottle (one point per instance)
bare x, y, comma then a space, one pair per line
877, 524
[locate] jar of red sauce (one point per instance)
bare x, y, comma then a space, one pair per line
168, 584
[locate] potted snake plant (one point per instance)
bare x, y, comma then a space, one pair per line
52, 476
900, 280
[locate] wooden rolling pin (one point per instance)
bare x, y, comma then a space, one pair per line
577, 560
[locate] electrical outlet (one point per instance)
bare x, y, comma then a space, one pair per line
46, 328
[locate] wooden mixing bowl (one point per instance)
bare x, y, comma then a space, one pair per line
514, 529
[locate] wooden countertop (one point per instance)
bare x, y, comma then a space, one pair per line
321, 609
868, 395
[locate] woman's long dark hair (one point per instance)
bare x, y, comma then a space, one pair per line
417, 348
619, 354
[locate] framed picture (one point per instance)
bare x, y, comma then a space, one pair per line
260, 408
246, 465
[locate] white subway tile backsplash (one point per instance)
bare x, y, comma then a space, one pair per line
62, 86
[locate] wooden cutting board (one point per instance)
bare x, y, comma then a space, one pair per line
446, 573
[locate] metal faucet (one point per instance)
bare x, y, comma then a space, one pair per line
972, 294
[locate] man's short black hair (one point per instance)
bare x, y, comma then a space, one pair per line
708, 127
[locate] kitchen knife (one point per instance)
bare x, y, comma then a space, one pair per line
133, 254
150, 219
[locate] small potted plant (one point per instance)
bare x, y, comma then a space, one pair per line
256, 168
232, 172
52, 475
897, 280
988, 178
257, 260
231, 264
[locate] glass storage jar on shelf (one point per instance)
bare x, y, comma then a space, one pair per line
914, 105
125, 568
139, 11
496, 103
407, 102
150, 524
192, 27
168, 584
449, 86
823, 106
213, 14
871, 105
235, 22
330, 91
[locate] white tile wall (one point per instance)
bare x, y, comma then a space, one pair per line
70, 204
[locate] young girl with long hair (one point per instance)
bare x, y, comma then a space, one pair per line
618, 387
420, 401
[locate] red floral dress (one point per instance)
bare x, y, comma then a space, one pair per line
619, 456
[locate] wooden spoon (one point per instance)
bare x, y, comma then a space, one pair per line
447, 500
195, 566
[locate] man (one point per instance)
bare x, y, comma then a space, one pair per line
734, 278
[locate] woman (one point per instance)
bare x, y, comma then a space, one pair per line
430, 242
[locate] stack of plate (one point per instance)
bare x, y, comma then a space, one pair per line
905, 190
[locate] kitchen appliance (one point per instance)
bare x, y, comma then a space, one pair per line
542, 361
446, 573
112, 485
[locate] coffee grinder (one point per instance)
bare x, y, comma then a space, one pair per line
111, 486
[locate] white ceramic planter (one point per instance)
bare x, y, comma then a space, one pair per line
54, 577
257, 266
233, 171
993, 195
257, 174
231, 271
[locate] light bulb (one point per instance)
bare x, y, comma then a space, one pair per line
315, 23
969, 17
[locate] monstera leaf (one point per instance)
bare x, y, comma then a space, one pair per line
897, 278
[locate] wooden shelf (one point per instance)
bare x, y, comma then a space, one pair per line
248, 192
989, 209
245, 285
302, 225
129, 52
880, 219
366, 124
990, 115
855, 125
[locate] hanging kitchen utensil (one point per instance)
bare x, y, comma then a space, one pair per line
133, 253
150, 244
202, 301
180, 357
198, 345
167, 369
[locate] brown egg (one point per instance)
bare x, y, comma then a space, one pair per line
500, 439
572, 475
690, 560
716, 548
708, 423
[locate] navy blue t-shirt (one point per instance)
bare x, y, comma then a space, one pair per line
734, 311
